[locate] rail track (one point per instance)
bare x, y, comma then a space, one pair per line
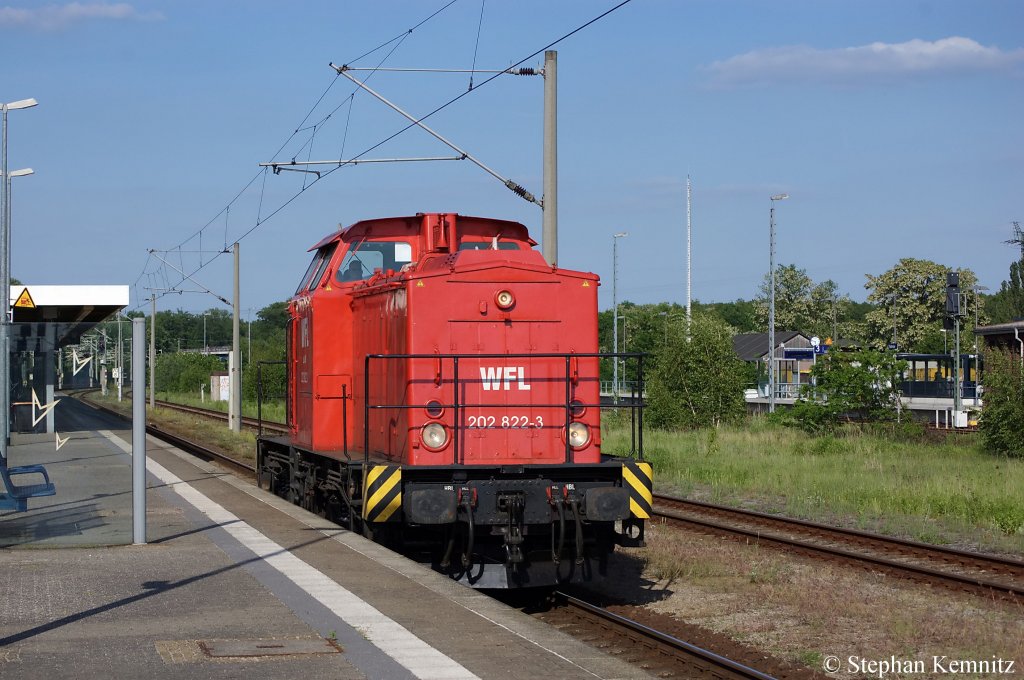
658, 653
202, 452
252, 423
990, 575
195, 449
662, 654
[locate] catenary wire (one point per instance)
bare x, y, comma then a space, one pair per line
400, 38
440, 108
476, 48
444, 106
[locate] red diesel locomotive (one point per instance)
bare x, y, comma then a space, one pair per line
444, 398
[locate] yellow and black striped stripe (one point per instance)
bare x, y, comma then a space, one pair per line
382, 495
639, 479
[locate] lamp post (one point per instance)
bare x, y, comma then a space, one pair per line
771, 301
5, 336
615, 314
5, 276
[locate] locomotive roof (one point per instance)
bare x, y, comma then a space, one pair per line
336, 235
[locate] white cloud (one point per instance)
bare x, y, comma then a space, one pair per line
878, 60
54, 17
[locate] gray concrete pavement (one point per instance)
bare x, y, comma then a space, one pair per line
233, 583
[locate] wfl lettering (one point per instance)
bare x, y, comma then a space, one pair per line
501, 377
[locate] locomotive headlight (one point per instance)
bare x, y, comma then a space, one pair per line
434, 436
579, 435
504, 299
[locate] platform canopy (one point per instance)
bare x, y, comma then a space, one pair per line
73, 309
1008, 335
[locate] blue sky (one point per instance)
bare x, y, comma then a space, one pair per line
894, 126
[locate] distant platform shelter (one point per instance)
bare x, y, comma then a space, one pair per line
45, 320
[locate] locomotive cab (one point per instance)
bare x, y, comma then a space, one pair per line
444, 394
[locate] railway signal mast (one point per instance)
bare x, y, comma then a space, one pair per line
953, 316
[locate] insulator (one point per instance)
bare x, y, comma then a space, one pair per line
520, 191
525, 71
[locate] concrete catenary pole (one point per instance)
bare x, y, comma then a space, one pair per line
120, 360
152, 352
235, 367
771, 310
551, 157
138, 431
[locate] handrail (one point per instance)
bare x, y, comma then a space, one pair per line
636, 404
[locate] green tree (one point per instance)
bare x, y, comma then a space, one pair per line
800, 304
912, 297
863, 385
185, 372
642, 328
697, 382
1002, 419
273, 316
740, 314
268, 345
792, 298
1008, 303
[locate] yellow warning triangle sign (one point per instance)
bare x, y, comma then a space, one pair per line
25, 300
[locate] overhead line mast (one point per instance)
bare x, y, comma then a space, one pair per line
549, 201
689, 297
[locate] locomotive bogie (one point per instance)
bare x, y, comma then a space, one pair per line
488, 527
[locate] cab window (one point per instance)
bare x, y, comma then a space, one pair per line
319, 273
365, 257
316, 268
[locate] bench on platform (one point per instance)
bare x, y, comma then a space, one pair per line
17, 495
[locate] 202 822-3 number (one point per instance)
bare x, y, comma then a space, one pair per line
505, 422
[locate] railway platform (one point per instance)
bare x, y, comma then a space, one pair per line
233, 582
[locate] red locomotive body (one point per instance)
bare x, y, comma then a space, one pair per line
444, 394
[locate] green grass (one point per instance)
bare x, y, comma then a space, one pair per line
945, 492
193, 427
273, 411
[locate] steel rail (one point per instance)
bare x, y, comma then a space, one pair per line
667, 645
688, 513
220, 415
201, 451
184, 444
